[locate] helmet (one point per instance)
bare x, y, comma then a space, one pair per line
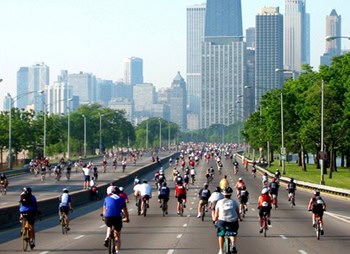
121, 189
110, 190
264, 191
65, 190
27, 190
145, 181
205, 184
240, 179
161, 171
217, 189
227, 191
164, 184
277, 170
292, 179
316, 192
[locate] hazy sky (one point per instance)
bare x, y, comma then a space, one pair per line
96, 35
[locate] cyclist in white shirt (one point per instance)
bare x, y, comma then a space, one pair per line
144, 191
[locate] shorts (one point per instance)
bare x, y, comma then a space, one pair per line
318, 211
266, 209
166, 199
243, 199
230, 227
29, 216
64, 209
115, 221
87, 178
203, 202
181, 197
145, 197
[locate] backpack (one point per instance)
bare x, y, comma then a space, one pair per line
317, 203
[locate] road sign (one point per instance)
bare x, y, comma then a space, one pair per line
283, 157
283, 150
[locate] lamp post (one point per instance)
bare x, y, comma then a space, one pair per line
168, 135
101, 115
331, 38
283, 149
322, 142
160, 134
147, 134
68, 132
84, 135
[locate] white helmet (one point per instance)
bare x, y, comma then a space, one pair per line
264, 191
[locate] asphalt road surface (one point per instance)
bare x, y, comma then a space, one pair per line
290, 232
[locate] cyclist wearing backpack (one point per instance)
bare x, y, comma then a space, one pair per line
317, 206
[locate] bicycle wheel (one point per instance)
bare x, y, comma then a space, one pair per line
203, 212
265, 226
318, 230
64, 224
25, 238
164, 207
227, 243
181, 210
144, 209
111, 244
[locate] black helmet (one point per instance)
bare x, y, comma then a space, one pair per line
164, 184
292, 179
65, 190
145, 181
227, 191
27, 190
217, 189
316, 192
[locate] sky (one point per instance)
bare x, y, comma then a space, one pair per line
96, 35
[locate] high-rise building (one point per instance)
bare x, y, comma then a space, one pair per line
177, 102
249, 91
84, 86
268, 51
133, 71
195, 38
297, 35
333, 47
250, 37
32, 80
223, 61
144, 97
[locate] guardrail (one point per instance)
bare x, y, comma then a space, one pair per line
322, 188
9, 215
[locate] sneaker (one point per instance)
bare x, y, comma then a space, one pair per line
313, 225
184, 205
322, 232
246, 209
32, 244
233, 249
261, 230
199, 215
106, 243
220, 252
268, 222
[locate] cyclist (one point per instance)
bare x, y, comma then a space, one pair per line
291, 188
179, 179
123, 194
186, 179
243, 197
213, 199
137, 185
4, 182
204, 195
239, 185
164, 193
264, 205
193, 175
112, 210
175, 173
65, 205
28, 210
136, 180
145, 192
278, 175
273, 188
226, 216
317, 206
95, 172
223, 184
265, 180
180, 194
170, 162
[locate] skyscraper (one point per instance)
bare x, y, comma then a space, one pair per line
84, 86
195, 37
223, 59
333, 47
297, 33
32, 79
133, 71
250, 37
269, 51
177, 102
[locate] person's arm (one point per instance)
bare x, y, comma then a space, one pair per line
126, 213
216, 213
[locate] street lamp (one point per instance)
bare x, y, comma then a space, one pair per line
160, 134
331, 38
322, 143
68, 135
147, 134
101, 115
169, 136
84, 135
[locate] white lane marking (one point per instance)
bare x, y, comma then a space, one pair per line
44, 252
283, 237
302, 252
339, 217
78, 237
253, 209
188, 215
102, 226
184, 225
179, 236
171, 251
4, 203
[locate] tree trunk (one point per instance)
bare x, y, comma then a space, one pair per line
347, 156
342, 160
300, 160
317, 160
303, 163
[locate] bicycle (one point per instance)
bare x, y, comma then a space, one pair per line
164, 205
3, 189
203, 209
181, 208
228, 248
274, 201
235, 170
26, 227
318, 227
144, 206
291, 199
64, 223
193, 179
265, 223
242, 209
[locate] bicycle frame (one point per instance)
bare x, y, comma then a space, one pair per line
318, 227
265, 223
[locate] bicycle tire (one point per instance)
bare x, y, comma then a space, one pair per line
203, 212
25, 238
318, 230
227, 243
144, 209
164, 207
111, 244
64, 224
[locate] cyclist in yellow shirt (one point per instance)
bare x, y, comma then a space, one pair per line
224, 183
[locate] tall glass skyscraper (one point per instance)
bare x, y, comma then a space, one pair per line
333, 47
195, 37
133, 71
268, 51
223, 61
297, 35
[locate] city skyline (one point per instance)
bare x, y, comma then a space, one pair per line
96, 37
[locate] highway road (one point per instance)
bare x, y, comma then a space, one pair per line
51, 188
290, 232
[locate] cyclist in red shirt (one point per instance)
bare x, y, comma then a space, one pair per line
180, 194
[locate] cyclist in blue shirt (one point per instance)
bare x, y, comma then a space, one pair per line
164, 193
112, 209
28, 210
65, 205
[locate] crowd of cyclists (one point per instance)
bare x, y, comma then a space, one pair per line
226, 210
